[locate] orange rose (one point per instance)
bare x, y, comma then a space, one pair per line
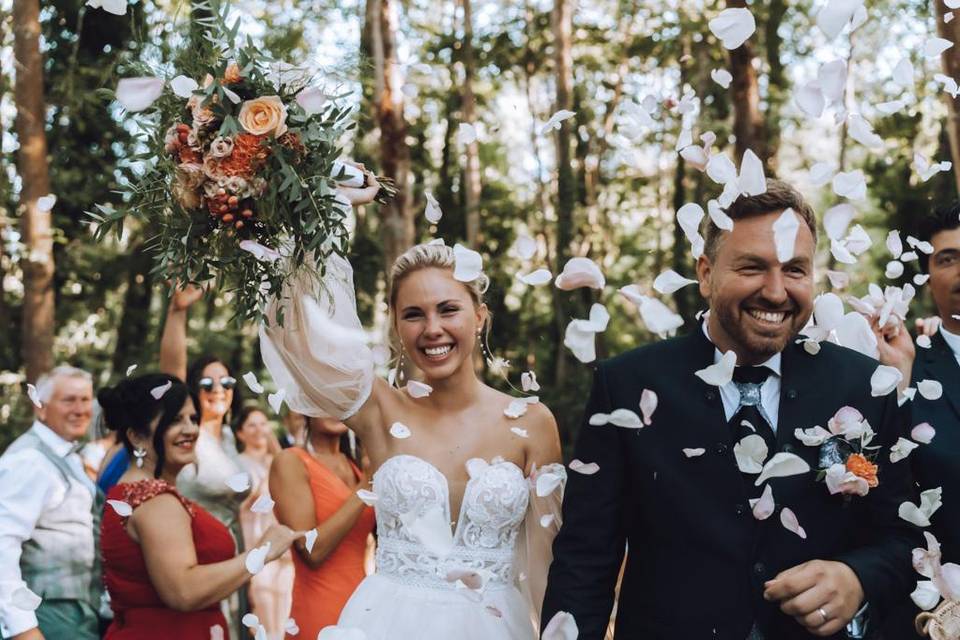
264, 116
232, 74
863, 468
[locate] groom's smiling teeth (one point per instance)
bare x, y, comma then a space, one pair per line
771, 317
438, 353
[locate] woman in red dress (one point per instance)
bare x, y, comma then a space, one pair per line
167, 563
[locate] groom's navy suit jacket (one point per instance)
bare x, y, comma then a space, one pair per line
698, 558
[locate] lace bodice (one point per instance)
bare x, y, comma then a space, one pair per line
415, 543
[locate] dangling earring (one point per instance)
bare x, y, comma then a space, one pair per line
139, 453
398, 371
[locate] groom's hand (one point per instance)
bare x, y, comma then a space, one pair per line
814, 588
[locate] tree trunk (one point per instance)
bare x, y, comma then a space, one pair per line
37, 264
471, 193
951, 67
397, 227
566, 186
748, 123
778, 88
135, 321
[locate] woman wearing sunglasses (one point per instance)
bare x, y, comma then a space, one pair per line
213, 389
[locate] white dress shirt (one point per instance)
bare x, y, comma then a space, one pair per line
769, 390
29, 485
953, 341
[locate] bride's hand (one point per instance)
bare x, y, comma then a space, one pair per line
361, 195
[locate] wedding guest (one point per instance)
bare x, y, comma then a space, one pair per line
49, 510
718, 549
168, 562
270, 590
935, 464
213, 389
315, 487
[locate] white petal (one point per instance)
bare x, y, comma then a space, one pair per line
183, 86
838, 279
923, 433
312, 100
658, 317
833, 17
528, 382
648, 404
884, 380
764, 506
554, 122
256, 558
238, 482
562, 626
789, 521
25, 599
750, 453
399, 431
131, 369
722, 77
780, 465
718, 216
920, 245
694, 452
525, 247
158, 392
431, 529
516, 408
291, 627
733, 27
925, 596
259, 251
136, 94
45, 203
891, 107
368, 498
837, 219
432, 213
810, 99
913, 514
833, 80
522, 433
695, 156
252, 383
347, 175
275, 400
580, 272
785, 234
861, 131
720, 373
250, 621
850, 184
34, 396
721, 170
586, 468
466, 134
116, 7
468, 264
935, 46
903, 73
263, 504
894, 269
821, 173
751, 180
858, 240
537, 278
923, 341
930, 389
670, 281
894, 244
901, 449
580, 341
418, 389
547, 483
812, 437
620, 418
123, 509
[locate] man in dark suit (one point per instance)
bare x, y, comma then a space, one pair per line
936, 464
701, 563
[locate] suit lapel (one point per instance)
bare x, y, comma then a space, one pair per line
699, 354
801, 395
940, 364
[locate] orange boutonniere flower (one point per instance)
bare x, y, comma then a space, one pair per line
859, 466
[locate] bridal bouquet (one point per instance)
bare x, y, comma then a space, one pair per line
239, 172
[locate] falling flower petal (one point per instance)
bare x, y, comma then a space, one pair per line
764, 506
850, 184
368, 498
238, 482
718, 216
25, 599
400, 431
468, 264
935, 46
620, 418
733, 27
136, 94
312, 100
894, 244
45, 203
553, 124
547, 520
418, 389
789, 521
838, 279
884, 380
694, 452
528, 382
537, 278
780, 465
648, 404
925, 596
821, 173
670, 281
547, 483
158, 392
750, 453
832, 77
837, 219
810, 99
259, 251
785, 234
34, 396
116, 7
721, 170
525, 247
658, 317
123, 509
432, 213
580, 272
131, 369
256, 558
263, 504
183, 87
813, 437
923, 341
722, 77
861, 131
904, 74
562, 626
586, 468
901, 449
520, 432
930, 501
930, 389
252, 383
291, 627
720, 373
923, 433
835, 15
894, 269
891, 107
516, 408
275, 400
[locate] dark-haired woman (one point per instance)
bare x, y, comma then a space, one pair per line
315, 487
271, 588
213, 388
167, 562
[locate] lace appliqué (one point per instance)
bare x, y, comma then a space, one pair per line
494, 504
136, 493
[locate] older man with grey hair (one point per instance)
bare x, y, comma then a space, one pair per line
49, 515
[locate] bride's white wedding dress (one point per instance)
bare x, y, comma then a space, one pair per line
482, 580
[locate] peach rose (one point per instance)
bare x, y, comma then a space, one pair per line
231, 74
264, 116
863, 468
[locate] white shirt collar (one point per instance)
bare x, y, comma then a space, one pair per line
773, 363
952, 340
50, 438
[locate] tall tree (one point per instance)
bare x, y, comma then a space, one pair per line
37, 262
951, 67
748, 123
471, 194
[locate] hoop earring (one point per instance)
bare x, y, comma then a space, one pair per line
139, 453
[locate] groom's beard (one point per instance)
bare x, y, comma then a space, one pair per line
754, 340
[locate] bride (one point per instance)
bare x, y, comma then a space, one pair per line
467, 499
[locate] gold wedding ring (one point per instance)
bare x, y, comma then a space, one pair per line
823, 614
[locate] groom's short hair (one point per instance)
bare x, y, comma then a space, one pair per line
779, 196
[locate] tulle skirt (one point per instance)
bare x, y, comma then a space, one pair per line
388, 609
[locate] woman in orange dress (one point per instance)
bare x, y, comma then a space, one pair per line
315, 487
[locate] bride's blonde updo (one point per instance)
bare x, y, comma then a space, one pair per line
435, 256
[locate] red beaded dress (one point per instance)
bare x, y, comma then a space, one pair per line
139, 614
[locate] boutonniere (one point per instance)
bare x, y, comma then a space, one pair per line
845, 457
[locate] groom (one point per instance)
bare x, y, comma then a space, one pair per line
700, 563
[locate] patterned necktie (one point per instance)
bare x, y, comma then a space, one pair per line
748, 418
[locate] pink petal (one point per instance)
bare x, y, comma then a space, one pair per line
648, 404
580, 272
789, 521
763, 506
562, 626
923, 433
587, 469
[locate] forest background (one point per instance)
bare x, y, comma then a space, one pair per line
593, 187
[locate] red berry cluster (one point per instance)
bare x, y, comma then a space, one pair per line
230, 209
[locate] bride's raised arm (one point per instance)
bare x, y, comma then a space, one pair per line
318, 355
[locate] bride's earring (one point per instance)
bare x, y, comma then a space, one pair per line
139, 453
398, 372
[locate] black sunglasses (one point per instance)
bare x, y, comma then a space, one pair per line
227, 382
